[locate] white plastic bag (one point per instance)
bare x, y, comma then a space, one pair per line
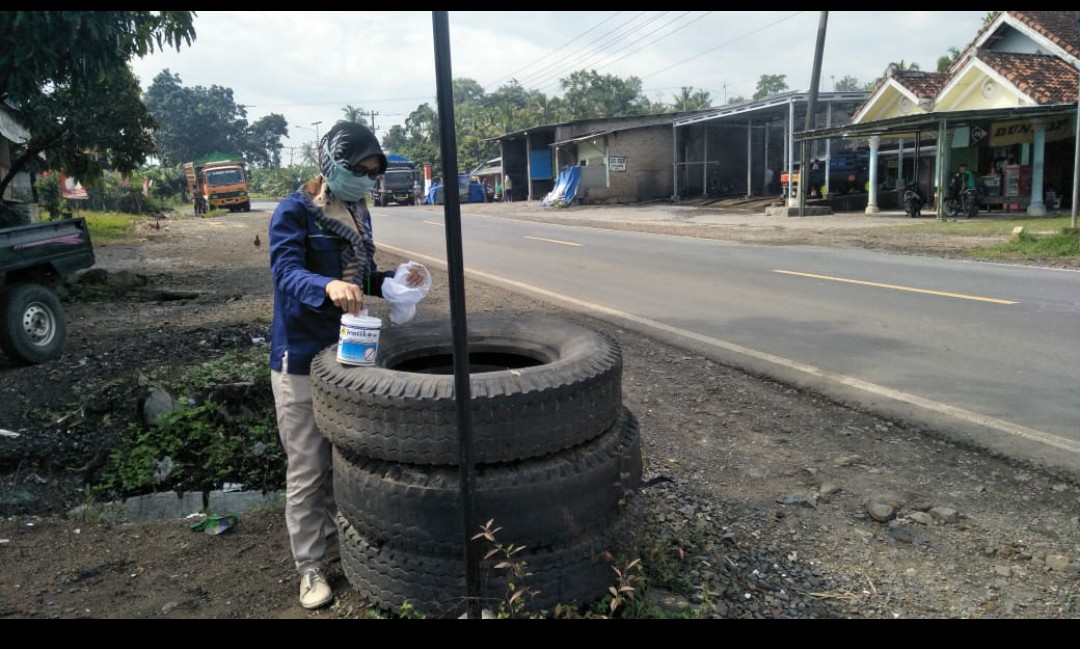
401, 297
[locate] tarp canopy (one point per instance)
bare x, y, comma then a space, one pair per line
217, 156
566, 186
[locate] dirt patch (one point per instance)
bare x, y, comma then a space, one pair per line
766, 501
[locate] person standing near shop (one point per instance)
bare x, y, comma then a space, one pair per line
508, 189
322, 262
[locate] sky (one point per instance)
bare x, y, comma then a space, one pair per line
309, 65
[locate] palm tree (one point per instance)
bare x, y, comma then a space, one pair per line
689, 100
355, 114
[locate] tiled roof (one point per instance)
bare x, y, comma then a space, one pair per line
922, 84
1046, 79
1060, 27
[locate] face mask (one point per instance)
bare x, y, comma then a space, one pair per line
347, 186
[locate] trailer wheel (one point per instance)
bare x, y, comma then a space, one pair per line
34, 325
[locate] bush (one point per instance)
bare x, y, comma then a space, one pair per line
49, 196
224, 430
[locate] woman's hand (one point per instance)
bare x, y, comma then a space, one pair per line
416, 276
345, 295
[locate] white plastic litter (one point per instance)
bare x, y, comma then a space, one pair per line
401, 297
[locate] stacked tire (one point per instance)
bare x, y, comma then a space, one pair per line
556, 462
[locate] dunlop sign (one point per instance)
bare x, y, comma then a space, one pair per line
1022, 131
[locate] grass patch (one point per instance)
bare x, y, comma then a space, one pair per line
110, 227
996, 227
1034, 246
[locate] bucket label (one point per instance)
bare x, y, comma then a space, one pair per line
357, 345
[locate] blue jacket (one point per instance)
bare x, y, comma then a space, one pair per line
303, 260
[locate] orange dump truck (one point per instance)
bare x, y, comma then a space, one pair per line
218, 184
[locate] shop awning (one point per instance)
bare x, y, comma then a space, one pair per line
908, 125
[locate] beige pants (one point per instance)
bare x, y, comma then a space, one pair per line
309, 488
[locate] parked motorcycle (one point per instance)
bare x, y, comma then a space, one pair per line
913, 200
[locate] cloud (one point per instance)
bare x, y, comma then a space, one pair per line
308, 65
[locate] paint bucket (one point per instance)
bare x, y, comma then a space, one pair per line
358, 342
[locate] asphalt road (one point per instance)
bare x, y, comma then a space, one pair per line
983, 351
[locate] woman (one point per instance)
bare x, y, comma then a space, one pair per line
322, 258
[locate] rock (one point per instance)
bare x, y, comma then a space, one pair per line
1057, 561
881, 512
944, 514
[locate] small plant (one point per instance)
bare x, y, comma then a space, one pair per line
407, 612
222, 430
517, 595
627, 583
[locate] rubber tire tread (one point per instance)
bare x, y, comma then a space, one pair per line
435, 584
544, 501
13, 339
571, 395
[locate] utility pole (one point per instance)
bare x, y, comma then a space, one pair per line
373, 129
811, 106
1076, 144
318, 147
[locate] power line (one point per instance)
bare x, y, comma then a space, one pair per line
508, 78
556, 64
616, 45
725, 44
640, 46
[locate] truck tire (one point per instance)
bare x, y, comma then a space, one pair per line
34, 325
546, 501
435, 584
246, 206
537, 386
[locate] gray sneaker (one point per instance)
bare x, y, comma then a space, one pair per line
314, 590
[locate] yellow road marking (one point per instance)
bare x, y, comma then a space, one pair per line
898, 288
565, 243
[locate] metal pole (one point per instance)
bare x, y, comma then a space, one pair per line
811, 106
1076, 157
1076, 143
452, 217
939, 171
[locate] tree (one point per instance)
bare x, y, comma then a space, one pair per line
262, 145
55, 69
769, 85
82, 131
467, 90
354, 114
900, 66
589, 95
945, 62
688, 100
847, 83
194, 122
42, 48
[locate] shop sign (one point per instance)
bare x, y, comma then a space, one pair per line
1022, 131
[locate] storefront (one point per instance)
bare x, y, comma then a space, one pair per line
1022, 155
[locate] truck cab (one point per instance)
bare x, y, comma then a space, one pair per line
220, 184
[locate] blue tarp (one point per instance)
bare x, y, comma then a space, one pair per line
476, 194
565, 189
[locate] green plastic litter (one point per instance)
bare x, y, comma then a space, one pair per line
215, 524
